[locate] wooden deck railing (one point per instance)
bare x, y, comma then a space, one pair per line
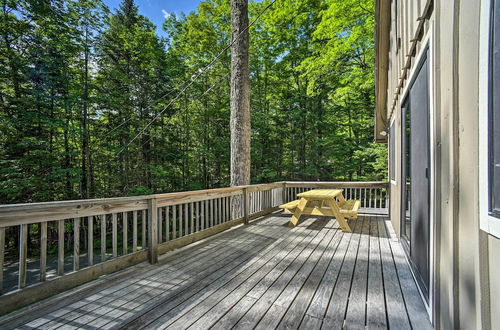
106, 235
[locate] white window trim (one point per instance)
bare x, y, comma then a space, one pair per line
488, 223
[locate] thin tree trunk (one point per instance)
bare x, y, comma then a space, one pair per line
85, 136
240, 100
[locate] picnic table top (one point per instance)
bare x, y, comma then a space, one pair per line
321, 193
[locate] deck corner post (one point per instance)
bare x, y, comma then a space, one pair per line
245, 206
152, 231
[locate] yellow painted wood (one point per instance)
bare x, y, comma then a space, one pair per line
321, 193
323, 202
290, 205
298, 212
341, 200
338, 215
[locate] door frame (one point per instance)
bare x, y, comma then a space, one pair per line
427, 44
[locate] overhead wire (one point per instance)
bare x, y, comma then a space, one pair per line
193, 79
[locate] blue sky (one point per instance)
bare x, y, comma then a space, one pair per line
156, 10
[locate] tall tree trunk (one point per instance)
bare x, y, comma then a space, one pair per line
240, 101
240, 95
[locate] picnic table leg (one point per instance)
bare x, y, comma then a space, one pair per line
341, 199
298, 212
338, 215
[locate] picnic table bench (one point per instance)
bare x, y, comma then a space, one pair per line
323, 202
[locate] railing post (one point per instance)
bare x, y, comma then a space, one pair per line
245, 206
152, 231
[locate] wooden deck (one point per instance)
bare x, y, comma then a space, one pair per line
265, 275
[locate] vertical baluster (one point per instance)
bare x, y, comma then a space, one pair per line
114, 234
381, 199
203, 215
203, 209
174, 221
103, 237
43, 253
167, 223
186, 219
191, 218
90, 240
60, 247
180, 221
23, 252
264, 200
134, 231
76, 244
2, 253
246, 219
197, 220
219, 215
125, 232
211, 213
160, 225
214, 212
143, 227
223, 211
386, 198
254, 198
257, 201
252, 203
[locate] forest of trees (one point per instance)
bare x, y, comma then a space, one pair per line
79, 82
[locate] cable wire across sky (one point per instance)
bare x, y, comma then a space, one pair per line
194, 78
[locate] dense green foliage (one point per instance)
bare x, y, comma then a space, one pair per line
78, 83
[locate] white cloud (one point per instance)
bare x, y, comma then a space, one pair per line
165, 13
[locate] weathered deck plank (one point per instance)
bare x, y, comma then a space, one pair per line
224, 299
266, 275
334, 317
396, 311
355, 314
179, 314
143, 286
375, 306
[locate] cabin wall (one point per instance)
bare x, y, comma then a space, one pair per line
466, 285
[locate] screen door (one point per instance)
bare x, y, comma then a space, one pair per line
415, 218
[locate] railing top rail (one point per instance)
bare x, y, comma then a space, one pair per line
350, 184
15, 214
111, 200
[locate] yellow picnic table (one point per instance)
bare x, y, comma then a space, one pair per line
323, 202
